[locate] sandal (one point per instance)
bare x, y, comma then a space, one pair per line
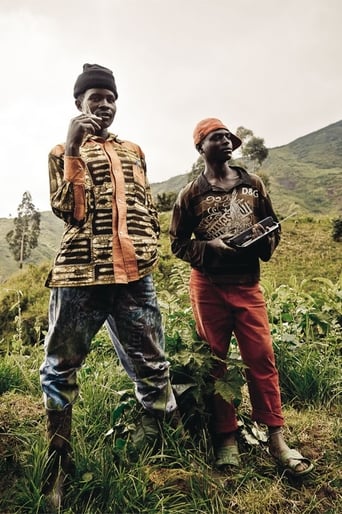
228, 456
284, 460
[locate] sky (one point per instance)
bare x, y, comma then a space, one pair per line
271, 66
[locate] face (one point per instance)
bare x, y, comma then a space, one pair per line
100, 102
217, 146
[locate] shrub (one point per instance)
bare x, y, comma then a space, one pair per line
24, 308
337, 229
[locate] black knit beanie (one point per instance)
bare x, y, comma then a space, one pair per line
94, 76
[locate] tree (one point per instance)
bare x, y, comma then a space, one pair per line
165, 201
255, 151
24, 237
244, 133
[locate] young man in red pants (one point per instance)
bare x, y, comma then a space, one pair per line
224, 285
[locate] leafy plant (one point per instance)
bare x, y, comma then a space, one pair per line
307, 334
113, 476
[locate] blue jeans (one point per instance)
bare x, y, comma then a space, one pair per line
132, 316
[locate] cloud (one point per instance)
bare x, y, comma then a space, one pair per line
269, 66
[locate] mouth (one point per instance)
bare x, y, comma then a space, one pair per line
105, 116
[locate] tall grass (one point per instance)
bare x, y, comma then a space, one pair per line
114, 475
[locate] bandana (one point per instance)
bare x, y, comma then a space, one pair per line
204, 127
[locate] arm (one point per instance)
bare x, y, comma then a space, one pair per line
67, 171
182, 226
61, 191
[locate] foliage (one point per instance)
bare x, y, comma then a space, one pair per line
23, 309
114, 476
337, 229
10, 377
244, 133
306, 326
24, 237
254, 151
165, 201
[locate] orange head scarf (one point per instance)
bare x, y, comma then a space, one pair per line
204, 127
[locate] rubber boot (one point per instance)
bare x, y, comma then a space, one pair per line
60, 463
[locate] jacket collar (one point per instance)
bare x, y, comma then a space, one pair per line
204, 185
95, 138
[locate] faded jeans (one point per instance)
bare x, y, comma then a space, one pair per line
132, 316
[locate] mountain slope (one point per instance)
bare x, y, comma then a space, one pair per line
50, 234
308, 172
305, 174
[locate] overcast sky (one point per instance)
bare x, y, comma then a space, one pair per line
269, 65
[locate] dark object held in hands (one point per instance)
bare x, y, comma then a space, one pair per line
252, 234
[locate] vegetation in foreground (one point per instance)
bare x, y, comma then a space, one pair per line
113, 475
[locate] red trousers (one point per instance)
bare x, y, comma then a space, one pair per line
220, 311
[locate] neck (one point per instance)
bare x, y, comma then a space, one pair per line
103, 133
221, 175
217, 169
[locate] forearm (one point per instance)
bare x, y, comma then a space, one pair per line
67, 190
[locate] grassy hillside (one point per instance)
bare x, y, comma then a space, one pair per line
174, 184
305, 174
305, 238
114, 474
50, 233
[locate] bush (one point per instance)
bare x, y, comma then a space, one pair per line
337, 229
24, 308
10, 376
306, 327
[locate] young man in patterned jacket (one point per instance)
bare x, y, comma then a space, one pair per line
102, 271
226, 297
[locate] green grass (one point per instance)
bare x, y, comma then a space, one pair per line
302, 285
113, 478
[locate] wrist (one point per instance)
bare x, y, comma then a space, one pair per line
72, 149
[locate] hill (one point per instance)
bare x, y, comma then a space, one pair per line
305, 174
173, 184
50, 233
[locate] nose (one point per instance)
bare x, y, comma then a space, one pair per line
226, 139
104, 103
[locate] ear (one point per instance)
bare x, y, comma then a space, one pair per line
78, 104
